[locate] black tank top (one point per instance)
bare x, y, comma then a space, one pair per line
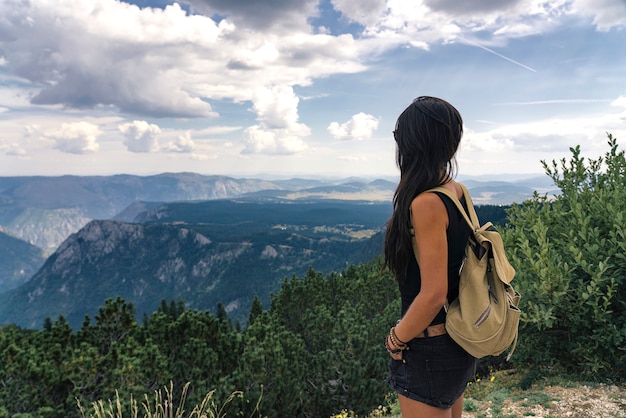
457, 234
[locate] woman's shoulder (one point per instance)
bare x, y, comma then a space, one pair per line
433, 207
429, 206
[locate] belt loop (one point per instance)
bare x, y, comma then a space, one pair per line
426, 332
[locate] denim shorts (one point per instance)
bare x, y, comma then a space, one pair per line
434, 371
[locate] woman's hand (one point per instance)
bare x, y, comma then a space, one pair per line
395, 354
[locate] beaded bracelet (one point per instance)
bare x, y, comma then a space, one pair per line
393, 331
389, 349
397, 342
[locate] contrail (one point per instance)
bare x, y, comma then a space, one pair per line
499, 55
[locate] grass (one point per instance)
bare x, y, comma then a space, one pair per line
160, 406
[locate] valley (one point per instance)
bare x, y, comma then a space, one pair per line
71, 242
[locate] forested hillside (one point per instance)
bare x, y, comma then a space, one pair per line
204, 253
315, 350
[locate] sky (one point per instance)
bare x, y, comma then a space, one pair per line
307, 88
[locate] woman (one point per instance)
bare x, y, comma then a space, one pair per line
428, 370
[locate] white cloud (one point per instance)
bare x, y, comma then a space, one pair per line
279, 15
619, 102
276, 107
162, 63
606, 14
183, 144
262, 141
105, 52
12, 97
255, 58
411, 23
366, 12
421, 23
360, 126
278, 130
15, 150
549, 135
76, 138
140, 136
492, 140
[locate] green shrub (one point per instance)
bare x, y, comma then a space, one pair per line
569, 251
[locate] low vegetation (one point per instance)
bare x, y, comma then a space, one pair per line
570, 254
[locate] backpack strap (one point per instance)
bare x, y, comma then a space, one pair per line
470, 214
505, 271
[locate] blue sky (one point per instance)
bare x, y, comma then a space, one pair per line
302, 88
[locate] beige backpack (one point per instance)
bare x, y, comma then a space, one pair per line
484, 319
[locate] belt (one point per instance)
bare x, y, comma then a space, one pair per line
433, 331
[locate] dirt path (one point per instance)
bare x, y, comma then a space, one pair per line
597, 401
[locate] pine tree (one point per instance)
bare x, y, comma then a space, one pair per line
255, 310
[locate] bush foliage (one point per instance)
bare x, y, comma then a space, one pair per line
569, 251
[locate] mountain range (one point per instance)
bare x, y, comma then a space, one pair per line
70, 241
45, 210
205, 253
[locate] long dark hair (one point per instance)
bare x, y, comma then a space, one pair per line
427, 136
